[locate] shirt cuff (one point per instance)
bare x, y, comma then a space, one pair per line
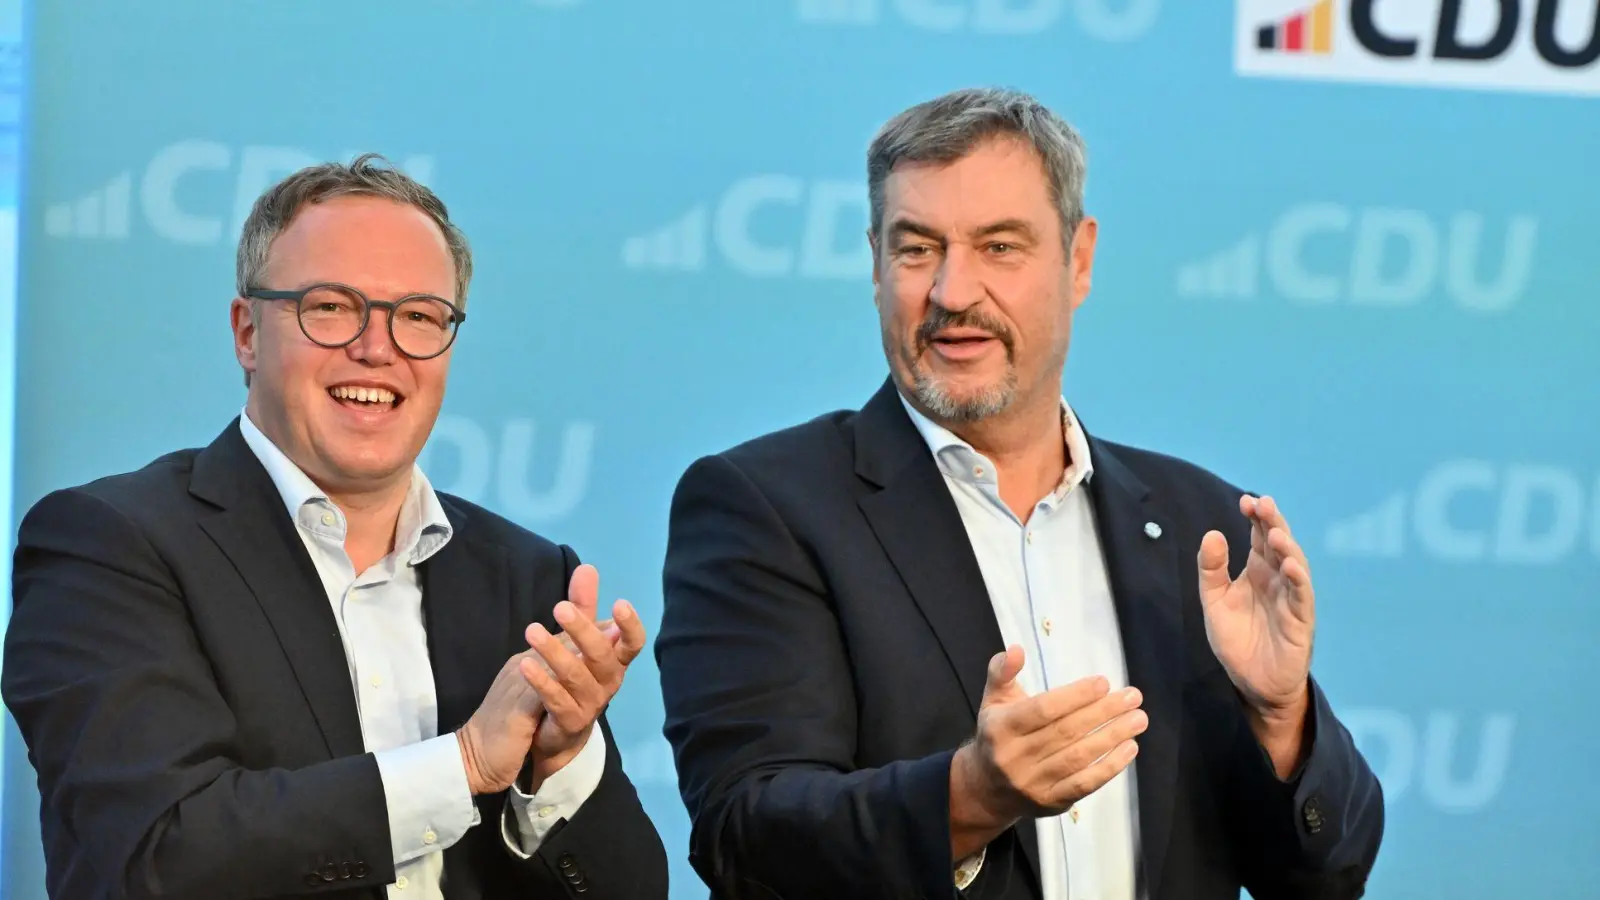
528, 820
425, 789
967, 870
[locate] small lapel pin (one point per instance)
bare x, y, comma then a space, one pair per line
1152, 530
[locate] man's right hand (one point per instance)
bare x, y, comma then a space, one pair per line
495, 741
1037, 756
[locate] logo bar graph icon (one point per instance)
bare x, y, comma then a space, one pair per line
101, 214
1307, 31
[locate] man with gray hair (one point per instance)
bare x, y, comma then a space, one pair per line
283, 665
952, 644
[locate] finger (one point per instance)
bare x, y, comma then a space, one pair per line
567, 668
607, 627
629, 632
594, 651
1085, 781
1082, 724
584, 590
1247, 506
1270, 515
1003, 670
556, 700
1290, 551
1043, 710
1212, 561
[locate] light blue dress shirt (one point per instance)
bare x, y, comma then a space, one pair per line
380, 619
1051, 594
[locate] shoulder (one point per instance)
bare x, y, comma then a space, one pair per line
481, 526
815, 447
1187, 488
151, 493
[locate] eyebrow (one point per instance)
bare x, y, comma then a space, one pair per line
902, 227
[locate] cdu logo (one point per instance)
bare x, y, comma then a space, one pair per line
191, 192
509, 471
1105, 20
1470, 510
1456, 763
766, 226
1547, 46
1322, 254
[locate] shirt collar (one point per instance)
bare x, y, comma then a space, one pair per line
947, 448
422, 529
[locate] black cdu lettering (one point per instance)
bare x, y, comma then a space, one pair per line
1366, 31
1447, 44
1544, 38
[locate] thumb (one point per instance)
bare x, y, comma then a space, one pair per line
1003, 670
1213, 563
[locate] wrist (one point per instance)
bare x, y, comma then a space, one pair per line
975, 819
468, 745
541, 766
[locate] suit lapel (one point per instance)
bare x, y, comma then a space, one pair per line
255, 533
917, 523
1144, 567
466, 603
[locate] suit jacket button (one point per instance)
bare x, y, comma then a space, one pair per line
567, 863
359, 870
330, 872
1311, 814
313, 879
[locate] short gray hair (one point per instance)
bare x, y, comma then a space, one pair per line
369, 174
945, 129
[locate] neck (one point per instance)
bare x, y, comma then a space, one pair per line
1026, 445
372, 517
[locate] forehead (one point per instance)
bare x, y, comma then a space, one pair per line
1001, 178
374, 243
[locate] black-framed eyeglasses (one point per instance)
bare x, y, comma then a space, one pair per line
333, 315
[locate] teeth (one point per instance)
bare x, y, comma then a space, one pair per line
363, 394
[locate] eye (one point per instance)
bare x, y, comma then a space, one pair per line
1001, 247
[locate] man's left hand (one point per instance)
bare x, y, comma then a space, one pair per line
1260, 626
582, 669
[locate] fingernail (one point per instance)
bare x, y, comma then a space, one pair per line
563, 612
539, 631
1130, 696
624, 610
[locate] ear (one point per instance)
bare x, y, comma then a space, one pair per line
872, 241
1080, 265
244, 336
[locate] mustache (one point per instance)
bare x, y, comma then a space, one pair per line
939, 318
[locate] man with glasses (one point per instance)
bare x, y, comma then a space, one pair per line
283, 664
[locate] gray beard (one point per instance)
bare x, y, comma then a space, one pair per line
941, 405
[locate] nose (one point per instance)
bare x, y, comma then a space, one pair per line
374, 347
956, 285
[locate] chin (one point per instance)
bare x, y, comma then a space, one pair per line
963, 403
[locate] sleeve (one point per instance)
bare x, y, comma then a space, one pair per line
1315, 834
136, 749
528, 818
426, 792
761, 714
608, 849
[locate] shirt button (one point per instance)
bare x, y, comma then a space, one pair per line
977, 471
400, 883
1046, 624
377, 681
1030, 537
429, 837
546, 812
327, 518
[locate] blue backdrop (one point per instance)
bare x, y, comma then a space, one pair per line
1341, 262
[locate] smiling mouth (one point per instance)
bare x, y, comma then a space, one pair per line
365, 398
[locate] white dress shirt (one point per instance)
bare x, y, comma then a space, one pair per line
1050, 592
379, 612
